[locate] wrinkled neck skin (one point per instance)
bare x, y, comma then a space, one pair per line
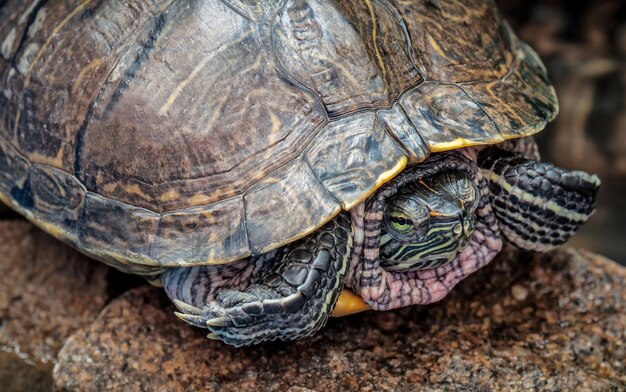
382, 289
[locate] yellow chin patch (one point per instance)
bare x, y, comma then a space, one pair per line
349, 303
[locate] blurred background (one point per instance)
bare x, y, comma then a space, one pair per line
583, 44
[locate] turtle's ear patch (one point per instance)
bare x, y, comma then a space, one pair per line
539, 206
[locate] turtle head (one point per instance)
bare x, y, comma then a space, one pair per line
428, 222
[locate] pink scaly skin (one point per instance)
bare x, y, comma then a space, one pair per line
384, 290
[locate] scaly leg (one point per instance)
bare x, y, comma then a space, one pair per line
286, 294
539, 206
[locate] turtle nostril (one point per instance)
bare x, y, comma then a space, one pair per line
467, 225
457, 228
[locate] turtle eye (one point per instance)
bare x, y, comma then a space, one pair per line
400, 223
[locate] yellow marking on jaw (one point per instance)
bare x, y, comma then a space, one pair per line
349, 303
381, 63
39, 54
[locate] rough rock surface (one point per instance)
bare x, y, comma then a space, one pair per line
554, 322
47, 292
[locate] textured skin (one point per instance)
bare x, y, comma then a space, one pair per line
249, 302
287, 294
539, 206
384, 290
191, 133
441, 210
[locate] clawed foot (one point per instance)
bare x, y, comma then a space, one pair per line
291, 297
243, 318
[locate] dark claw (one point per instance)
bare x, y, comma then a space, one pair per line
189, 309
197, 321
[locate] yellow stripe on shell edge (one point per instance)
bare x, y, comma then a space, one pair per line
382, 179
461, 143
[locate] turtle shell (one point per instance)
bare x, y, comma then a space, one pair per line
166, 133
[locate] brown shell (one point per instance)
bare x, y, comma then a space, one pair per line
167, 133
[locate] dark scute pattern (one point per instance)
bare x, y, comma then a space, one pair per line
213, 121
57, 196
458, 40
351, 155
293, 199
177, 114
523, 102
352, 56
202, 234
50, 97
114, 227
402, 129
443, 113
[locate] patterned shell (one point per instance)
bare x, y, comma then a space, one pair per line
167, 133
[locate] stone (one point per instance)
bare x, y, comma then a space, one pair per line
545, 322
16, 374
47, 292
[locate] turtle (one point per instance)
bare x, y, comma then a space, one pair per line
272, 163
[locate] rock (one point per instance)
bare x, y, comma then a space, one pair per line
16, 374
47, 292
552, 322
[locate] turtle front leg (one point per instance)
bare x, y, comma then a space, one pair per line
539, 206
286, 294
